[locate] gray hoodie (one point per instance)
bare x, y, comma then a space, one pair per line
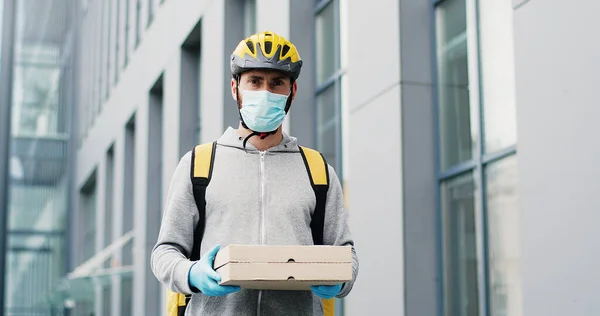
234, 216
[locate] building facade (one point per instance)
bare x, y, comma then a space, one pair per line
451, 124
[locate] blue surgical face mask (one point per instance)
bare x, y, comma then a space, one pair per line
263, 111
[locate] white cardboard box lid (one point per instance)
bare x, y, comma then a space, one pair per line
282, 254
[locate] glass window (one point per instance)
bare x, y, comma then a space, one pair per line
329, 82
326, 125
459, 210
108, 48
326, 43
457, 134
150, 4
1, 23
475, 74
118, 45
497, 74
106, 300
127, 31
109, 184
102, 28
138, 22
35, 99
127, 295
503, 237
38, 186
88, 224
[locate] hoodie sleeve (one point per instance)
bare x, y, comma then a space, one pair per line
169, 260
336, 231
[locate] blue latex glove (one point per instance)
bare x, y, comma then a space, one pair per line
327, 291
203, 277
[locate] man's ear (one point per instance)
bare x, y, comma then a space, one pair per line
294, 90
233, 88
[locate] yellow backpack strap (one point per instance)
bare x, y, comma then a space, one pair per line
316, 166
203, 157
202, 160
328, 307
318, 172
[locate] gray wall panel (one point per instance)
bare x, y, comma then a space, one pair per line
375, 208
234, 33
372, 73
557, 68
375, 162
418, 149
213, 59
420, 212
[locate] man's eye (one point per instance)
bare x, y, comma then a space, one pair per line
279, 82
254, 81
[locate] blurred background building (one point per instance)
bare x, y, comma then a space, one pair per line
464, 133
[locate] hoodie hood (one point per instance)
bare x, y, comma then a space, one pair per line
231, 138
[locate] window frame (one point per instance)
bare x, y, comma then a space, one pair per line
476, 165
334, 80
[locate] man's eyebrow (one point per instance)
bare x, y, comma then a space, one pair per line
282, 77
256, 77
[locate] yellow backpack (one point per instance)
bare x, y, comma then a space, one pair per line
203, 157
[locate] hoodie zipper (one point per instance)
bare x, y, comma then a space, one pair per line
262, 197
262, 213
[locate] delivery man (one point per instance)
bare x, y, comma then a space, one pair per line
259, 193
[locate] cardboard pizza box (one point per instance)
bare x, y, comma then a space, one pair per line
282, 267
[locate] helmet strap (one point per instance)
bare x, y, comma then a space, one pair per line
262, 135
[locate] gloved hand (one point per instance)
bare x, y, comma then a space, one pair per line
327, 291
206, 279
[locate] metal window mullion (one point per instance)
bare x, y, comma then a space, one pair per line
7, 52
337, 87
315, 103
456, 170
476, 105
437, 164
498, 155
319, 7
326, 85
330, 80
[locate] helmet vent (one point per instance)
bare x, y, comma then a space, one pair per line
268, 47
285, 50
250, 46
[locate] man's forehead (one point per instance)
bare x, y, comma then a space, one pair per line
266, 73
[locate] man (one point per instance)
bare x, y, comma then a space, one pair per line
259, 193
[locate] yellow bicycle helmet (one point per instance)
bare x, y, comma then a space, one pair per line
266, 50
